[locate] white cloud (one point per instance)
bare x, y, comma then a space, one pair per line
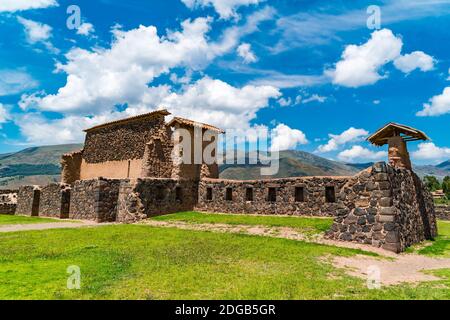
21, 5
414, 60
216, 102
360, 154
349, 135
246, 53
283, 102
37, 32
15, 81
285, 138
360, 65
438, 105
429, 151
312, 98
86, 29
4, 114
225, 8
100, 79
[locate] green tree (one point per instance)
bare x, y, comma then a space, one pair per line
432, 183
446, 186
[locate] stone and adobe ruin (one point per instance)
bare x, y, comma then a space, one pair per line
132, 169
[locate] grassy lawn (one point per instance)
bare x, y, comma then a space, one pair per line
8, 219
440, 246
142, 262
304, 224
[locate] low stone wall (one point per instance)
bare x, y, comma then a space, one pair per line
443, 212
142, 198
55, 201
8, 208
28, 198
94, 200
387, 208
313, 202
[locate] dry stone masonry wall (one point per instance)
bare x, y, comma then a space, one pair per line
28, 200
290, 196
443, 212
55, 201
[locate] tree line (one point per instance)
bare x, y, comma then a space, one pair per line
433, 184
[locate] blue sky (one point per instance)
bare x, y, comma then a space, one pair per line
311, 71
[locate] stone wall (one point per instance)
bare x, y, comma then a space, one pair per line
142, 198
386, 207
443, 212
122, 141
8, 208
312, 203
28, 198
71, 166
94, 200
55, 201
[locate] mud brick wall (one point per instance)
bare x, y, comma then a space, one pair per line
142, 198
443, 212
55, 200
314, 202
8, 208
28, 198
386, 207
94, 200
123, 141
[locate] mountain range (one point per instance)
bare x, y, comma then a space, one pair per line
40, 165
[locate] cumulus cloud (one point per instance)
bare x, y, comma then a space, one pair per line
360, 65
225, 8
15, 81
438, 105
21, 5
336, 140
313, 98
246, 53
415, 60
285, 138
429, 151
100, 79
359, 153
37, 32
86, 29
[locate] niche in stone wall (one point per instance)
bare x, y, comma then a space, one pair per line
330, 194
249, 194
36, 200
299, 194
272, 194
209, 193
229, 194
179, 194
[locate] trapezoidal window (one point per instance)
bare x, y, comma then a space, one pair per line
209, 194
330, 194
229, 194
160, 193
178, 194
299, 194
249, 194
272, 195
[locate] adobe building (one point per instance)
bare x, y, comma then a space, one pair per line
134, 168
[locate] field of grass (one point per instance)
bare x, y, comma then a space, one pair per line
9, 219
305, 225
142, 262
439, 246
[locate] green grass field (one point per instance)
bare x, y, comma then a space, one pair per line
9, 219
305, 225
143, 262
438, 247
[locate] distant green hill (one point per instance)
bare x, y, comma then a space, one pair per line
36, 165
292, 164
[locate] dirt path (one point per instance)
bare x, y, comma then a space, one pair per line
46, 226
393, 268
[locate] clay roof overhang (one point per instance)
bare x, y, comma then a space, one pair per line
392, 129
191, 123
162, 112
